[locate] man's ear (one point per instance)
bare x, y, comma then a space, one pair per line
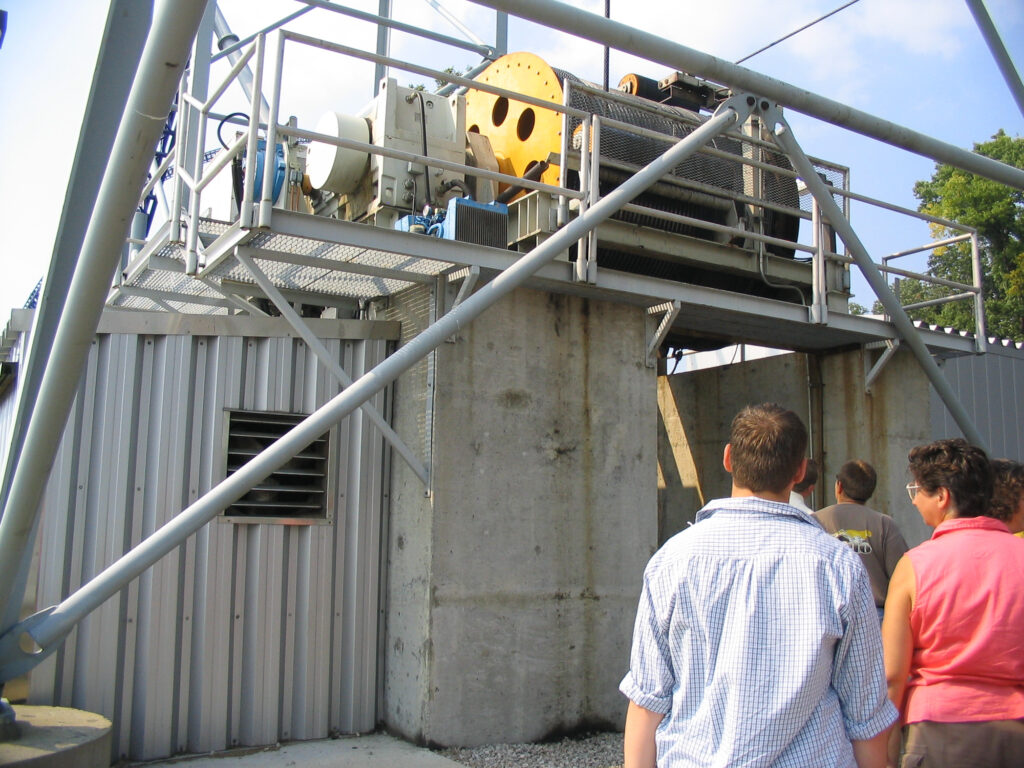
799, 476
727, 458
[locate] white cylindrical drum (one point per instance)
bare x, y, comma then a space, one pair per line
338, 169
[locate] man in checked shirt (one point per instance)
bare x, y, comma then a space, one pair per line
756, 640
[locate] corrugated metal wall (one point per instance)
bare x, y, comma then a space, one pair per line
247, 634
991, 389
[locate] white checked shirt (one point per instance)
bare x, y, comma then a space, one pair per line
757, 637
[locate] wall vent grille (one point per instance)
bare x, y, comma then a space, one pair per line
298, 492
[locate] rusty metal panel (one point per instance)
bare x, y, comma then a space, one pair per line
991, 388
246, 634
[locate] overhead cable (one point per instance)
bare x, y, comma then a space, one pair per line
797, 31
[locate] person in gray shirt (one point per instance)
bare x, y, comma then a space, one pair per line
872, 535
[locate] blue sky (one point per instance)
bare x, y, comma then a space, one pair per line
920, 64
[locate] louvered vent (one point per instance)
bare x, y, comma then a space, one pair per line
297, 493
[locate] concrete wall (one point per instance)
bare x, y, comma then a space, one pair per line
512, 590
880, 428
695, 410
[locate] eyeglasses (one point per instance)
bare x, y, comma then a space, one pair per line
912, 489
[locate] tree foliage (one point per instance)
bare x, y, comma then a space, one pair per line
997, 213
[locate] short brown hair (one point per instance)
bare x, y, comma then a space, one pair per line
858, 479
961, 468
768, 444
1008, 489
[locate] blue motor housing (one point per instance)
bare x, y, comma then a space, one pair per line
465, 220
280, 169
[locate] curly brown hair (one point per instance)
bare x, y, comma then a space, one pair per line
1008, 490
963, 469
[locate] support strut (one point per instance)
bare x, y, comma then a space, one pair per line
49, 627
903, 324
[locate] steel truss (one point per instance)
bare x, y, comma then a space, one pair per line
261, 237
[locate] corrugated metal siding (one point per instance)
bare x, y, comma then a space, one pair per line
9, 399
246, 634
991, 389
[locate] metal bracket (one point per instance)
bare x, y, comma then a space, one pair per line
671, 311
891, 345
325, 358
469, 280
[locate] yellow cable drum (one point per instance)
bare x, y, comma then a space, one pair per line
521, 135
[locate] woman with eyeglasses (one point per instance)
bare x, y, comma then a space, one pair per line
953, 631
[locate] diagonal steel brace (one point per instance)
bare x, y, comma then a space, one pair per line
49, 627
903, 324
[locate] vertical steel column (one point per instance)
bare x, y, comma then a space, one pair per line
123, 39
981, 331
50, 626
266, 205
903, 324
247, 205
157, 78
500, 34
380, 71
998, 50
819, 303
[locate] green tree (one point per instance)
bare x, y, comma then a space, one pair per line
997, 213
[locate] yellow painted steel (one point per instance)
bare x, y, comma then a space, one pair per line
521, 135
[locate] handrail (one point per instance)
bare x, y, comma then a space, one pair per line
201, 177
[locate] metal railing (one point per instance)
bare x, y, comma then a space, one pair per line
257, 205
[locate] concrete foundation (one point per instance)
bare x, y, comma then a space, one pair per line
57, 737
827, 391
513, 586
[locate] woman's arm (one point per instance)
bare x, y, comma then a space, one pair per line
898, 640
640, 750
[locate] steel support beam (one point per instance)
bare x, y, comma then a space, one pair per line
164, 57
123, 39
50, 626
904, 326
658, 49
325, 357
227, 39
998, 50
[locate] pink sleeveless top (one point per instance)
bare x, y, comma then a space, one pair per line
968, 624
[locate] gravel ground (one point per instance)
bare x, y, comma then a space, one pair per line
599, 750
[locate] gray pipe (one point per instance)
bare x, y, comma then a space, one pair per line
50, 626
654, 48
160, 67
226, 39
998, 50
123, 40
904, 326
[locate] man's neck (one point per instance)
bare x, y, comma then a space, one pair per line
782, 496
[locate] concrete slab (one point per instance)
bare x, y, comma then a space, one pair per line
58, 737
374, 751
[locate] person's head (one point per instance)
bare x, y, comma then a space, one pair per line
953, 479
1008, 493
766, 449
805, 486
856, 480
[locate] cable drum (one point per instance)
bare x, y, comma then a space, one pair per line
523, 135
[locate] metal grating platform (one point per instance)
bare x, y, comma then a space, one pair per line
325, 271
